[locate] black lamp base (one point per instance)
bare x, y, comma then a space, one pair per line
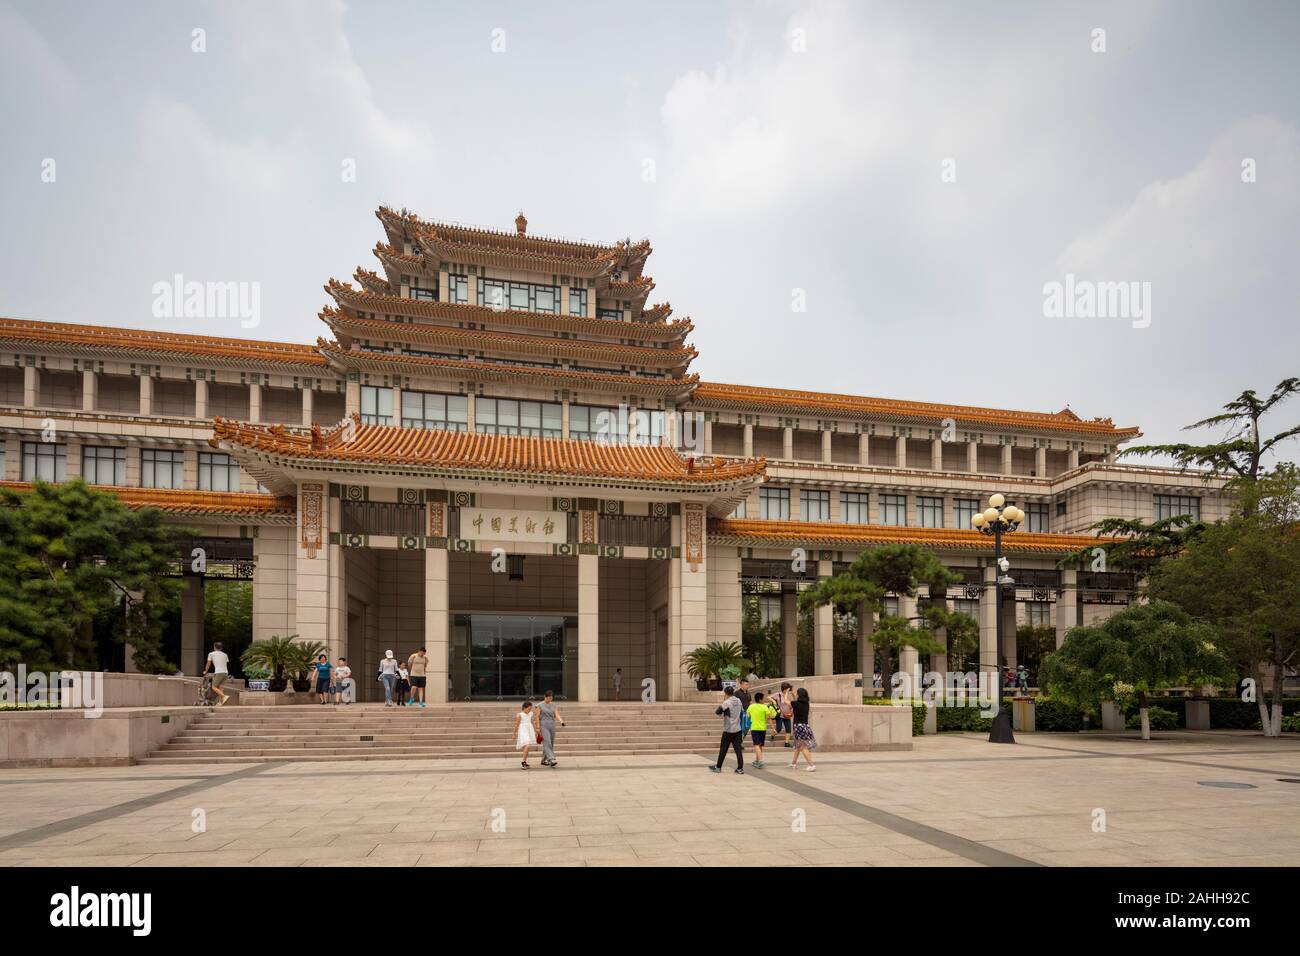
1001, 732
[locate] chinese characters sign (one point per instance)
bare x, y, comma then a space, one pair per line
504, 524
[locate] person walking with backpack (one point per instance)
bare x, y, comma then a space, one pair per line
758, 713
785, 713
730, 712
804, 740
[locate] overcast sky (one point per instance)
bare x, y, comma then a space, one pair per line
916, 172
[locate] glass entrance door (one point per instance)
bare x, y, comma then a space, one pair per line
517, 655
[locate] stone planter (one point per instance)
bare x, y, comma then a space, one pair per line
1198, 714
931, 720
1022, 715
1112, 716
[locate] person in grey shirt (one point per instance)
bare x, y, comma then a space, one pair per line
730, 711
547, 716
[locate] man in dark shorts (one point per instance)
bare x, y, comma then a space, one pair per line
417, 665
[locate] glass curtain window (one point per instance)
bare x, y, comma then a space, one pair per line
218, 473
893, 510
103, 466
854, 507
930, 511
162, 469
518, 296
594, 423
376, 405
458, 289
432, 410
815, 505
774, 503
504, 416
44, 460
577, 301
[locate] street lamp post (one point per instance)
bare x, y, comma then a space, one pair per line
996, 521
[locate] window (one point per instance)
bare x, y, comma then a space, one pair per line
505, 416
893, 510
577, 301
614, 315
218, 473
966, 606
1038, 614
739, 510
44, 460
1060, 509
774, 503
458, 289
930, 511
815, 505
376, 405
1036, 518
1171, 506
854, 507
964, 509
103, 466
651, 426
429, 294
431, 410
889, 607
592, 423
518, 296
162, 469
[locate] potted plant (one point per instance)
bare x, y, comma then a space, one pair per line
706, 664
307, 654
275, 656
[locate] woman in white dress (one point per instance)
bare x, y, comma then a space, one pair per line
525, 730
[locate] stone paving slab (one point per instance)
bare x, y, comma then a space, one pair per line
953, 801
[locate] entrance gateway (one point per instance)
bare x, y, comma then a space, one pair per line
513, 656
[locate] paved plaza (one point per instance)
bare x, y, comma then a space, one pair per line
953, 801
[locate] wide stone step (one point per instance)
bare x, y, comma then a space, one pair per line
390, 753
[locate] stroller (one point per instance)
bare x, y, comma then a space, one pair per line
207, 695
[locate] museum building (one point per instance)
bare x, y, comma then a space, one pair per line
501, 455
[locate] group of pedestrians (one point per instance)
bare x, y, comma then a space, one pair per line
404, 683
536, 726
743, 712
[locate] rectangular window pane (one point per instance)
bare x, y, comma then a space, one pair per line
815, 505
893, 510
964, 510
577, 301
545, 298
218, 473
1036, 518
774, 503
853, 507
103, 466
44, 461
458, 289
162, 469
931, 511
1172, 506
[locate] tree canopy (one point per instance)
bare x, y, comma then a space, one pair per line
68, 554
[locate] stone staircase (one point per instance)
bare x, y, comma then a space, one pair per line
372, 732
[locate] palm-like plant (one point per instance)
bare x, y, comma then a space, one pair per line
710, 660
277, 655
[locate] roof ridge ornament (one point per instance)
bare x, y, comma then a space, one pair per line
521, 224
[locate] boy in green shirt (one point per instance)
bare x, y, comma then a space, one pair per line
759, 711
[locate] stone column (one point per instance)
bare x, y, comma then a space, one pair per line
824, 632
564, 299
972, 456
471, 414
588, 628
31, 386
146, 395
900, 451
89, 390
936, 455
708, 436
1074, 458
254, 403
308, 405
864, 449
749, 440
351, 399
314, 566
1040, 462
192, 627
564, 418
866, 649
909, 659
1067, 605
787, 443
437, 622
826, 446
200, 398
633, 425
1006, 459
790, 633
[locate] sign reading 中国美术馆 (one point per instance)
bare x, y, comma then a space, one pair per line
506, 524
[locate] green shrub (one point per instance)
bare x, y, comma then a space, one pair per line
1232, 713
1160, 718
1291, 725
1053, 716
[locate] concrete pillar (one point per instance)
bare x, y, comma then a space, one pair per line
89, 390
314, 560
564, 299
308, 406
1040, 462
708, 436
564, 419
826, 447
749, 440
787, 443
471, 412
437, 622
254, 403
634, 426
900, 451
588, 628
200, 398
352, 399
790, 633
31, 385
909, 659
936, 455
824, 632
972, 456
866, 649
192, 607
864, 449
1074, 458
146, 395
1067, 605
1006, 459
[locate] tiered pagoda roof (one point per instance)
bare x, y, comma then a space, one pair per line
351, 444
235, 505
